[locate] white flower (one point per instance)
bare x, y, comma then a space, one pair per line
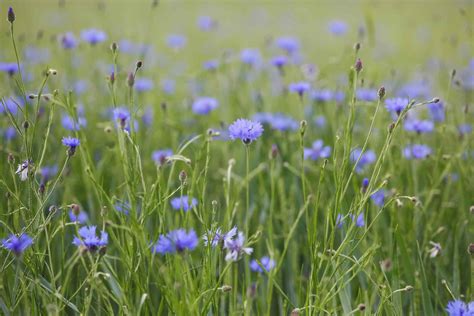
235, 248
23, 169
218, 236
435, 251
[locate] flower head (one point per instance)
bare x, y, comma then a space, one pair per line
160, 156
177, 240
218, 237
245, 130
9, 68
366, 94
337, 27
206, 23
265, 261
23, 169
236, 248
317, 151
365, 159
68, 40
378, 197
183, 202
299, 87
47, 172
89, 240
416, 151
72, 143
204, 105
437, 111
93, 36
122, 116
143, 84
289, 44
250, 56
457, 308
17, 244
418, 126
396, 105
176, 41
279, 61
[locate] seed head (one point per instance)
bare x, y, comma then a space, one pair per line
381, 92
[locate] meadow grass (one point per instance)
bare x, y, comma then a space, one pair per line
356, 198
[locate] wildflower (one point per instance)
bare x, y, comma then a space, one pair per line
378, 197
279, 61
122, 115
320, 121
211, 64
47, 172
143, 84
160, 156
299, 87
418, 126
23, 169
416, 151
415, 89
459, 308
122, 207
337, 27
9, 133
11, 15
68, 40
277, 121
79, 217
464, 129
366, 94
176, 241
339, 220
70, 124
435, 250
317, 151
437, 111
72, 143
168, 86
89, 240
204, 105
93, 36
235, 248
359, 220
289, 44
176, 41
365, 159
265, 261
17, 245
218, 237
11, 105
9, 68
206, 23
245, 130
396, 105
365, 184
322, 95
250, 56
182, 202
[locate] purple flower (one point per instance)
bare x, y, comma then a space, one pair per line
378, 197
436, 111
465, 129
204, 105
176, 41
299, 87
218, 237
70, 124
68, 40
47, 172
9, 133
206, 23
337, 27
459, 308
89, 240
265, 261
279, 61
143, 84
317, 151
93, 36
160, 156
122, 207
320, 121
183, 202
236, 248
366, 94
81, 218
168, 86
418, 126
10, 105
340, 220
277, 121
9, 68
211, 64
416, 151
245, 130
176, 241
122, 115
396, 105
366, 158
359, 220
289, 44
415, 89
17, 245
72, 143
250, 56
322, 95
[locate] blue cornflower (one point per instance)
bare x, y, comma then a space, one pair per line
182, 202
337, 27
340, 220
211, 64
10, 105
89, 240
236, 247
317, 151
265, 261
299, 87
72, 143
359, 220
70, 124
206, 23
378, 197
47, 172
396, 105
68, 40
277, 121
168, 86
218, 237
320, 121
160, 156
36, 55
436, 111
204, 105
176, 41
415, 89
416, 151
245, 130
289, 44
459, 308
9, 68
322, 95
418, 126
279, 61
143, 84
366, 158
465, 129
250, 56
93, 36
17, 244
122, 115
80, 217
9, 133
176, 241
366, 94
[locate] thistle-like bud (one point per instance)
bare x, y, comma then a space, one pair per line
361, 307
274, 151
365, 184
435, 100
470, 249
381, 93
76, 210
358, 65
139, 64
26, 125
183, 176
11, 158
114, 47
130, 80
112, 78
357, 47
11, 15
303, 125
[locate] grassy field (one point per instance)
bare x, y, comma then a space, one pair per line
236, 157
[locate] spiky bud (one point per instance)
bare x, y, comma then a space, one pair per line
381, 93
130, 80
11, 15
358, 65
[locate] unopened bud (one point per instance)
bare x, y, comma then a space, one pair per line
295, 312
435, 100
381, 92
112, 78
114, 47
471, 209
470, 249
357, 47
358, 65
303, 125
11, 15
11, 158
139, 64
130, 80
53, 72
76, 210
274, 151
183, 176
26, 124
225, 288
361, 307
